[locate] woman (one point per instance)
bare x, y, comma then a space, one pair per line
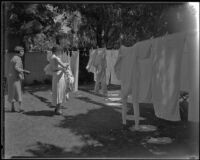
15, 77
58, 81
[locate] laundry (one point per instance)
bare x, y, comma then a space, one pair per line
109, 65
111, 57
75, 68
192, 45
100, 65
166, 68
133, 69
125, 68
90, 67
141, 91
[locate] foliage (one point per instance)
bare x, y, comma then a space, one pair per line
76, 25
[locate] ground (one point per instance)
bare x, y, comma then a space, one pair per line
90, 126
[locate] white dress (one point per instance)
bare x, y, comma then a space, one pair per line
58, 81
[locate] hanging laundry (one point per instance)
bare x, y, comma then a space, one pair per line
48, 68
135, 72
90, 66
141, 91
185, 72
100, 65
75, 68
114, 55
66, 57
192, 43
166, 69
109, 66
125, 68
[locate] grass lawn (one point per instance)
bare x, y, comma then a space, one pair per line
90, 126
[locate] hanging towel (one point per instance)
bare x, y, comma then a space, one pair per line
100, 64
114, 56
192, 42
125, 68
143, 69
109, 65
75, 68
166, 63
90, 66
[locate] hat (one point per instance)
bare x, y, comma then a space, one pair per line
18, 48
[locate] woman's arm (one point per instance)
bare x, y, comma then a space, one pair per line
60, 62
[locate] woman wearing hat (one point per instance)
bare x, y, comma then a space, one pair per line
15, 77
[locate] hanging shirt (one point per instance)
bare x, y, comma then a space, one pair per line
90, 66
114, 55
166, 69
109, 66
143, 72
99, 59
74, 62
130, 68
100, 64
192, 43
125, 68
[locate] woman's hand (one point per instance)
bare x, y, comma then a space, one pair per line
27, 72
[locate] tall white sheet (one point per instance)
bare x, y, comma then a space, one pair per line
167, 58
111, 58
125, 68
192, 42
75, 68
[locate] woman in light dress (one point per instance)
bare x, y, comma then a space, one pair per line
59, 79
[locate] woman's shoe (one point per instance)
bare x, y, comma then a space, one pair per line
58, 111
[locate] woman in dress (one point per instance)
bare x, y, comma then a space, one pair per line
58, 80
15, 77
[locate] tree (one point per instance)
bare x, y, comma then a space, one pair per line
29, 22
89, 25
105, 24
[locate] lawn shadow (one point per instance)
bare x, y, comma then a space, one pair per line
47, 113
90, 89
104, 125
42, 99
92, 92
36, 88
